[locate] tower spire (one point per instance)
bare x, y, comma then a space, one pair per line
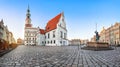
28, 19
28, 10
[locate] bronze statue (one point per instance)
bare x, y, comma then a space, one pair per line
97, 36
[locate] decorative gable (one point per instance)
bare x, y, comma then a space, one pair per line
52, 24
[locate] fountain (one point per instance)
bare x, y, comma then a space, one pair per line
97, 45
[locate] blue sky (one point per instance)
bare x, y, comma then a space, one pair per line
81, 16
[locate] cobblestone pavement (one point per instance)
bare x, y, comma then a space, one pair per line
65, 56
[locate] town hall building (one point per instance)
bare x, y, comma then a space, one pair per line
30, 32
54, 34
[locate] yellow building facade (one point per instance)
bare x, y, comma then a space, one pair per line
111, 35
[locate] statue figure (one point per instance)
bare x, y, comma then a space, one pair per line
97, 36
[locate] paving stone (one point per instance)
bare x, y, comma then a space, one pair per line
110, 66
68, 66
68, 56
104, 66
9, 64
74, 65
36, 66
18, 64
97, 66
91, 65
80, 65
86, 66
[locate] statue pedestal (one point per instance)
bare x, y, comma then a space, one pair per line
97, 46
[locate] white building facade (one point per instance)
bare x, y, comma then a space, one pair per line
54, 34
40, 37
29, 31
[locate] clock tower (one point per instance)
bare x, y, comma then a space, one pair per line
28, 19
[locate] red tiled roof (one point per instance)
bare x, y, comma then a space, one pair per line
52, 24
42, 31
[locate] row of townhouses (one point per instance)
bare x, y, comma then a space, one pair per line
20, 41
5, 35
78, 42
54, 34
110, 35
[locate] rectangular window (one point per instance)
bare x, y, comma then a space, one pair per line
61, 34
60, 42
48, 35
42, 42
51, 41
53, 34
48, 42
45, 36
26, 34
65, 35
54, 41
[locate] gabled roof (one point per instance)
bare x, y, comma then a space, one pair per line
52, 24
42, 31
